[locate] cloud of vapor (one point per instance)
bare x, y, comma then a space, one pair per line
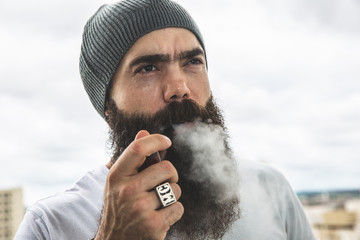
212, 161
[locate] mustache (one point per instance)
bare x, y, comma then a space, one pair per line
174, 113
123, 126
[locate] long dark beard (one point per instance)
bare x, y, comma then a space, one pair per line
210, 205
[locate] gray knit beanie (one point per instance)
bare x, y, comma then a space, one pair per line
111, 32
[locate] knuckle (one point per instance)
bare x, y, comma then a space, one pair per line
180, 209
140, 205
176, 213
111, 178
127, 190
168, 167
137, 148
177, 190
170, 170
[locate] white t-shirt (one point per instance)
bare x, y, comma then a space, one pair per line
270, 209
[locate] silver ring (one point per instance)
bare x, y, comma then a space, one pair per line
165, 194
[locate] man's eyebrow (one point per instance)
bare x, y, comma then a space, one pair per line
155, 58
151, 58
191, 53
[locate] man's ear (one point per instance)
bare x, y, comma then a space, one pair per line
107, 114
107, 111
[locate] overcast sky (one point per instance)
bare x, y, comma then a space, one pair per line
285, 72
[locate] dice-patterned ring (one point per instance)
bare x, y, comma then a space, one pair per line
166, 195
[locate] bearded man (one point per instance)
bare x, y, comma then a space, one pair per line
172, 174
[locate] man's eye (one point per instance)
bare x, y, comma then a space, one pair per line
195, 61
146, 69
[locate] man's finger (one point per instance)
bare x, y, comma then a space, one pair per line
156, 174
134, 155
171, 214
141, 134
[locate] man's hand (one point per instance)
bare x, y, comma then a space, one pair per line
132, 209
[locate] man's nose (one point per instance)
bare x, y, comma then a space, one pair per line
176, 85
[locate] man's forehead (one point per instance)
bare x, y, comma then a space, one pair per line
168, 41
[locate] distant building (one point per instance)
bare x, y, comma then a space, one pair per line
11, 212
334, 215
